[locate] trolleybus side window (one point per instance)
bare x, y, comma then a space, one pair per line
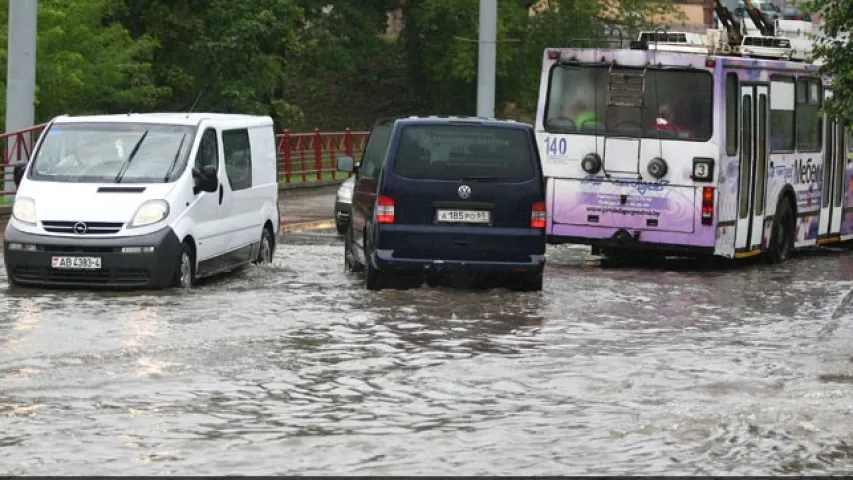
782, 114
746, 158
809, 102
732, 101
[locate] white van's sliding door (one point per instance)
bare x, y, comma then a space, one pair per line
206, 211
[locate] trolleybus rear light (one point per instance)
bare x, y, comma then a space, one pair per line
707, 205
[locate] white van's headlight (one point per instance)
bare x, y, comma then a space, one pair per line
149, 212
25, 210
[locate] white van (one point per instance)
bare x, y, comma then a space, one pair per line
144, 200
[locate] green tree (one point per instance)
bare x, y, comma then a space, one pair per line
349, 71
836, 51
441, 37
84, 64
219, 55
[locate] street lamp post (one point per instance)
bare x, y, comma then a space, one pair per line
20, 72
487, 58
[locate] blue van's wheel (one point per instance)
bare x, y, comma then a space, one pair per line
350, 262
530, 283
373, 278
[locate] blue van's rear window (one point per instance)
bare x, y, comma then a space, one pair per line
456, 152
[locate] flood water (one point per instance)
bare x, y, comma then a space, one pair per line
296, 369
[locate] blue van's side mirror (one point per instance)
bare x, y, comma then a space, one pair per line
346, 164
18, 173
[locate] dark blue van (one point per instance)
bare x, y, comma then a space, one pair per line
444, 194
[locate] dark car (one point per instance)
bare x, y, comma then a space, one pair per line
769, 11
791, 13
343, 203
447, 194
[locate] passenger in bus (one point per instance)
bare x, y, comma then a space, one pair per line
665, 122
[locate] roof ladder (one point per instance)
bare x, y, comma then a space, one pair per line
626, 88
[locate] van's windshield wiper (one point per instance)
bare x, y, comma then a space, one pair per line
130, 157
175, 160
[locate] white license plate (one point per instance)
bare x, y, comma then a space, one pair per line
76, 263
464, 216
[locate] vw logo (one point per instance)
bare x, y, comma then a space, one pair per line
464, 191
80, 228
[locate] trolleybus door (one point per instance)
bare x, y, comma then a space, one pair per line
752, 177
828, 177
839, 168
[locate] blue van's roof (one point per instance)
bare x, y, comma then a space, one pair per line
447, 120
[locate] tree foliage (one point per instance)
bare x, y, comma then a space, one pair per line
217, 54
836, 50
329, 64
85, 64
441, 36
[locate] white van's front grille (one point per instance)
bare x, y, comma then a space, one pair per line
82, 228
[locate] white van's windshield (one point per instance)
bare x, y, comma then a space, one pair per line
113, 153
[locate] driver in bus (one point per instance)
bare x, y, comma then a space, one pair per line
578, 110
582, 114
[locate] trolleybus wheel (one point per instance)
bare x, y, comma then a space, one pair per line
782, 236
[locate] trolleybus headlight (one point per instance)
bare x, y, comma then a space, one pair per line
657, 167
591, 163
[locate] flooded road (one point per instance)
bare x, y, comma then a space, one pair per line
296, 369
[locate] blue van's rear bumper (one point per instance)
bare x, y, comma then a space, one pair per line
435, 249
28, 260
386, 261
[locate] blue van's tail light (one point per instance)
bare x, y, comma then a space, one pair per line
384, 209
538, 215
707, 205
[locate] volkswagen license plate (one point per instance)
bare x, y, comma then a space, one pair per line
464, 216
76, 263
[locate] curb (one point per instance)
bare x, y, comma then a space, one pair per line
304, 226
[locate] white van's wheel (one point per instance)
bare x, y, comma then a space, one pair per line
185, 273
265, 251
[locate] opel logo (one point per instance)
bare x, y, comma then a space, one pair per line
464, 191
80, 228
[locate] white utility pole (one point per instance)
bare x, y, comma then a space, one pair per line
487, 58
20, 72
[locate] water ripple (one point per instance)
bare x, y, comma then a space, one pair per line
294, 368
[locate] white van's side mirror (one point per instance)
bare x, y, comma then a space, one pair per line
346, 164
206, 180
19, 173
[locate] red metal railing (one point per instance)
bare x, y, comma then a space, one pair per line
310, 157
302, 157
16, 148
